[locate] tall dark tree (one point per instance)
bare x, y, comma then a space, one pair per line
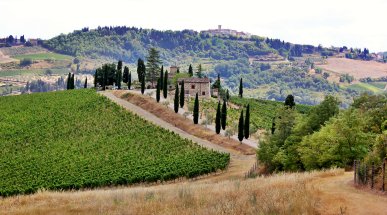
140, 70
224, 115
153, 65
176, 100
218, 119
227, 95
85, 86
125, 76
158, 90
178, 70
72, 82
143, 86
190, 70
240, 127
182, 94
196, 110
247, 123
129, 80
241, 88
119, 76
119, 66
162, 77
289, 101
68, 81
165, 85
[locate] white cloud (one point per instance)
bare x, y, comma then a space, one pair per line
330, 22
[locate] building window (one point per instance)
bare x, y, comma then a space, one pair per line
203, 93
186, 92
193, 86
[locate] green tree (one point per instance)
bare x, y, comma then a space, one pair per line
218, 119
190, 70
162, 77
95, 79
182, 92
129, 80
289, 101
240, 127
85, 86
241, 88
158, 90
227, 95
143, 85
140, 70
196, 110
125, 76
68, 81
119, 75
153, 65
199, 72
165, 85
224, 115
247, 122
176, 100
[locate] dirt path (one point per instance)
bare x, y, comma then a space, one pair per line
4, 58
239, 163
338, 194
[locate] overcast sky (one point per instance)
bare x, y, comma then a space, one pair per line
353, 23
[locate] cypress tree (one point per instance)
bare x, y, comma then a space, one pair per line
158, 90
143, 85
72, 82
68, 81
176, 100
247, 122
241, 89
224, 115
125, 76
196, 110
240, 127
190, 71
119, 79
217, 119
162, 77
129, 80
85, 86
182, 95
165, 85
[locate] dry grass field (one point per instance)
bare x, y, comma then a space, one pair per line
357, 68
277, 194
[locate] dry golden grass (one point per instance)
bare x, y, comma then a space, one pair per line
186, 125
277, 194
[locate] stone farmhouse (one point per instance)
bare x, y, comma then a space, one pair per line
196, 85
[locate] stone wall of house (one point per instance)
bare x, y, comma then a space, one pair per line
203, 89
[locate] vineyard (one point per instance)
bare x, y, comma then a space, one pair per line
79, 139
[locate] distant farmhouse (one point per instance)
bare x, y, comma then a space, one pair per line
226, 32
196, 85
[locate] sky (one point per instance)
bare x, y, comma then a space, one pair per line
354, 23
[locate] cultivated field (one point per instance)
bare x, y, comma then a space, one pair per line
79, 139
357, 68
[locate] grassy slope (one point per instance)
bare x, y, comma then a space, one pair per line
59, 141
44, 56
364, 87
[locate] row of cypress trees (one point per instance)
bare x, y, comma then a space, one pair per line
244, 125
221, 117
162, 84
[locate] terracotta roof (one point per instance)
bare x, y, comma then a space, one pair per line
194, 80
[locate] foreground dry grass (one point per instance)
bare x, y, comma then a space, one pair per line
278, 194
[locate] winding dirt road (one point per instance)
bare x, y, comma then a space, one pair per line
337, 194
